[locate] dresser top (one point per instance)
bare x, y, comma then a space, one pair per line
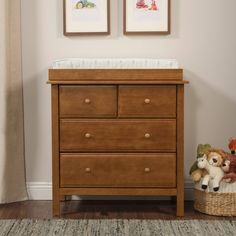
116, 76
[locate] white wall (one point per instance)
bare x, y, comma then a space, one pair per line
203, 39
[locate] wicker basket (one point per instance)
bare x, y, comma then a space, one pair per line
219, 204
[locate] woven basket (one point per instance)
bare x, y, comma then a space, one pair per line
218, 204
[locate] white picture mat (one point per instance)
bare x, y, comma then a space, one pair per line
86, 20
144, 20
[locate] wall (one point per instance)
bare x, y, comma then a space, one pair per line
203, 40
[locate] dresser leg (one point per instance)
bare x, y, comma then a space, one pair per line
180, 205
56, 205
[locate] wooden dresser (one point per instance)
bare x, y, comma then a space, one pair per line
117, 133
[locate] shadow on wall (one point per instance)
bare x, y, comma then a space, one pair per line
206, 119
59, 15
36, 123
36, 112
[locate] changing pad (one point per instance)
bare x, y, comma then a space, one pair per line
115, 63
224, 187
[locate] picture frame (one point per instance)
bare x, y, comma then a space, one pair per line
86, 17
147, 17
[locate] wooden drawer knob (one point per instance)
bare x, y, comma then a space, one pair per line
87, 101
147, 100
147, 169
87, 135
87, 170
147, 135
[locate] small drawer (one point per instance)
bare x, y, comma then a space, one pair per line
147, 101
118, 170
117, 135
88, 101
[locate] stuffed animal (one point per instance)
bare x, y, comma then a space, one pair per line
229, 167
195, 172
232, 145
212, 162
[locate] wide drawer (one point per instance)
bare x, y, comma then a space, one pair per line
118, 170
147, 101
117, 135
88, 101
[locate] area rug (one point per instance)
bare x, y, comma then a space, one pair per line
117, 227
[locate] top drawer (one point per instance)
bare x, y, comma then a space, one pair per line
147, 101
88, 101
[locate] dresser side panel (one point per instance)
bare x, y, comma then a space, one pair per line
55, 149
180, 150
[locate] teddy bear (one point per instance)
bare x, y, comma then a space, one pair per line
196, 173
212, 161
232, 145
229, 167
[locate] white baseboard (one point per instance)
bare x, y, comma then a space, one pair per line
39, 190
43, 191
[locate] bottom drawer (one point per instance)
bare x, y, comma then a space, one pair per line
118, 170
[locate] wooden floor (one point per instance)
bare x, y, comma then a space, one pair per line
91, 209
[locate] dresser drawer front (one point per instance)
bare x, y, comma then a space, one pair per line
147, 101
118, 170
88, 101
117, 135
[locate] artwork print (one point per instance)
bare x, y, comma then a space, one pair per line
86, 16
84, 4
84, 10
149, 5
146, 16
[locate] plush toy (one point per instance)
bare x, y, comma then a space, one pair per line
196, 173
229, 167
232, 145
212, 162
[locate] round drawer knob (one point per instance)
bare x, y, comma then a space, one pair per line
87, 101
87, 135
147, 100
147, 170
87, 170
147, 135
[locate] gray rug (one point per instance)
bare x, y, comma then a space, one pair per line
117, 227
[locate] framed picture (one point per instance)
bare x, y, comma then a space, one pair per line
146, 16
85, 17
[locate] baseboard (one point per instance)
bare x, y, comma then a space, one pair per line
39, 190
43, 191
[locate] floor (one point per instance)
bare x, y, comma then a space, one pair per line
92, 209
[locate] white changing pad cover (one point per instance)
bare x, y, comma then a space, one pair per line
115, 63
224, 187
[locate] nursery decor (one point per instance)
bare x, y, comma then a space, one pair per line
220, 203
86, 17
215, 192
117, 132
146, 16
195, 172
229, 167
212, 162
232, 145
